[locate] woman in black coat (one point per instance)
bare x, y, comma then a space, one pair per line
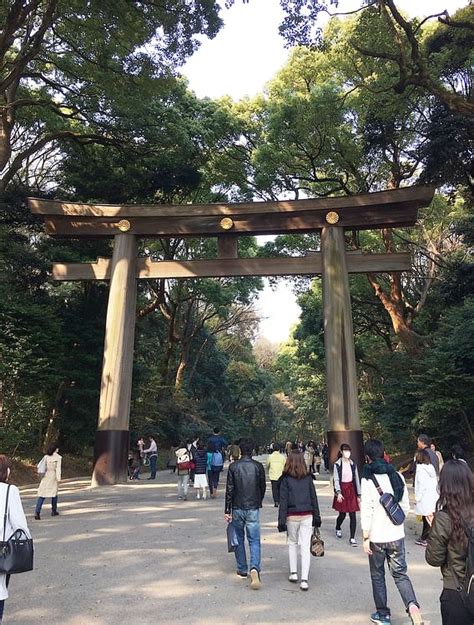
298, 514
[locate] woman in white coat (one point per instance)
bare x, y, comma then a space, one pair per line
15, 519
426, 492
49, 484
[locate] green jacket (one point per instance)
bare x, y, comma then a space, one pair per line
444, 552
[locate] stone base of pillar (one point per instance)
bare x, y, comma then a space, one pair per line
110, 457
354, 438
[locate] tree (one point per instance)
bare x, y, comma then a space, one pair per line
414, 61
75, 72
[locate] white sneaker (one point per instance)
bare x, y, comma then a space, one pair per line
293, 578
339, 533
353, 542
304, 585
198, 496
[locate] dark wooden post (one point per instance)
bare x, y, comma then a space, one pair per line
341, 377
112, 437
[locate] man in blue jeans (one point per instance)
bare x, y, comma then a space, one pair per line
384, 541
244, 494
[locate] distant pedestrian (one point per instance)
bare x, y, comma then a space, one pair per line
458, 453
183, 467
133, 466
384, 541
423, 442
216, 466
346, 492
308, 455
50, 481
141, 447
200, 471
325, 455
244, 494
447, 542
288, 447
317, 459
439, 455
15, 519
217, 440
171, 464
275, 464
298, 514
426, 492
152, 451
234, 451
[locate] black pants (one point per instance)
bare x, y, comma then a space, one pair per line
352, 520
426, 529
275, 492
453, 611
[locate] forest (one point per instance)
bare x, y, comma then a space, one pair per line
94, 109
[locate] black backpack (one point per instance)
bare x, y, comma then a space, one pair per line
466, 588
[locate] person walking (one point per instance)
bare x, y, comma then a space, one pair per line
171, 464
423, 442
439, 455
426, 492
275, 464
325, 455
215, 466
200, 471
298, 514
152, 450
245, 490
233, 451
346, 492
317, 459
384, 541
14, 520
217, 440
447, 542
50, 481
183, 466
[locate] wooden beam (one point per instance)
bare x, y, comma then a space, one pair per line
227, 246
228, 267
421, 196
387, 216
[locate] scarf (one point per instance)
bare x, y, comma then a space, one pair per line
381, 466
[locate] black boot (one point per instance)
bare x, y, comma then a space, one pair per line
54, 513
37, 516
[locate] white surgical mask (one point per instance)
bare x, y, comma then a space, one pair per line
346, 453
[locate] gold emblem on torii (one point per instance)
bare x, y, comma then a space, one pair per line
332, 217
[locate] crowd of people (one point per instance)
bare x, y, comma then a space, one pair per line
444, 495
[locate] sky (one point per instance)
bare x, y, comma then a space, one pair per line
239, 61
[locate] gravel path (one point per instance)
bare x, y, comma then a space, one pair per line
134, 554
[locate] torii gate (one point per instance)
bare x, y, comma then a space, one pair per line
127, 223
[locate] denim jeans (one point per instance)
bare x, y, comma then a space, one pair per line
40, 502
183, 485
247, 522
153, 461
394, 553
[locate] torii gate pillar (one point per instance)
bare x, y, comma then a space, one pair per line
112, 436
341, 377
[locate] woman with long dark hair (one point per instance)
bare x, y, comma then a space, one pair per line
14, 520
298, 514
447, 541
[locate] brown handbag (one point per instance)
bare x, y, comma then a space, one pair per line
317, 544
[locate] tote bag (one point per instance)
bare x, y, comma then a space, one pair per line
16, 553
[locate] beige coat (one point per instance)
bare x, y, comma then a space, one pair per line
49, 484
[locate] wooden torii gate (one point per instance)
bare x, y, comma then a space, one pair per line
126, 223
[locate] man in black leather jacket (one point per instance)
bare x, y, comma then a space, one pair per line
246, 484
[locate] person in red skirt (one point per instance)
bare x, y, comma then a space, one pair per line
346, 492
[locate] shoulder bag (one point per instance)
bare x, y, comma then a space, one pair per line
388, 503
317, 543
16, 553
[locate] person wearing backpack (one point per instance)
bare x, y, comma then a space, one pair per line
384, 540
215, 469
183, 466
451, 542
